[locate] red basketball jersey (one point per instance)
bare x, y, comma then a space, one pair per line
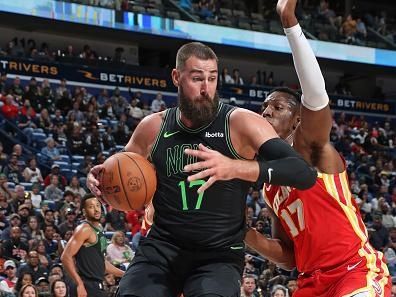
324, 223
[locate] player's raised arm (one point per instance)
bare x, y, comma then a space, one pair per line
315, 111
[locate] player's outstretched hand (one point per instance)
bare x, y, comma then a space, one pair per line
213, 165
93, 181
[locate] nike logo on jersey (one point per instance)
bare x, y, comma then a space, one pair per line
269, 174
169, 134
350, 267
236, 247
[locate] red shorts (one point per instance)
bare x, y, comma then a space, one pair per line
345, 281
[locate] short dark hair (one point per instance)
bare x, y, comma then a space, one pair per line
295, 94
85, 198
196, 49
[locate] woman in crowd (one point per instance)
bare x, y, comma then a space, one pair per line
39, 247
33, 229
24, 279
28, 291
59, 289
32, 173
118, 252
75, 187
279, 291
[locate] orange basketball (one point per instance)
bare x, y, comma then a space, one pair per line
128, 181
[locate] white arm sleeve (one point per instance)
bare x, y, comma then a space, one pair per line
311, 79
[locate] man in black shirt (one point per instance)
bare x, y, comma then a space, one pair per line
87, 246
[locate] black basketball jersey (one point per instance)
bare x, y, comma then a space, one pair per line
90, 259
210, 220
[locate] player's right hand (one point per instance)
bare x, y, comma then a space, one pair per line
93, 183
81, 292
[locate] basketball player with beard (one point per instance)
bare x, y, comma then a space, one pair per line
195, 245
318, 230
84, 254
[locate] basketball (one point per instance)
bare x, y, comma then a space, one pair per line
128, 181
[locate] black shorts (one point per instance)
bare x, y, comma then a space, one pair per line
161, 269
94, 288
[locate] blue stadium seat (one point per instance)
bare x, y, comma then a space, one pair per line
78, 158
63, 165
64, 158
11, 185
68, 173
76, 165
28, 186
38, 139
109, 234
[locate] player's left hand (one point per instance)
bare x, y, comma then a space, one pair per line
213, 165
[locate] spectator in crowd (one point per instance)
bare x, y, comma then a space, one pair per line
50, 149
118, 102
225, 77
15, 248
25, 122
16, 88
38, 245
33, 229
361, 31
43, 286
158, 103
55, 171
348, 29
248, 287
12, 171
51, 239
76, 142
28, 291
33, 266
44, 121
291, 286
47, 217
35, 195
135, 113
32, 173
279, 291
53, 192
237, 77
378, 235
108, 139
24, 212
115, 220
7, 285
10, 109
110, 284
59, 289
25, 278
118, 252
70, 222
75, 186
5, 207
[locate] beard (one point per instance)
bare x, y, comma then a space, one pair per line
200, 110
